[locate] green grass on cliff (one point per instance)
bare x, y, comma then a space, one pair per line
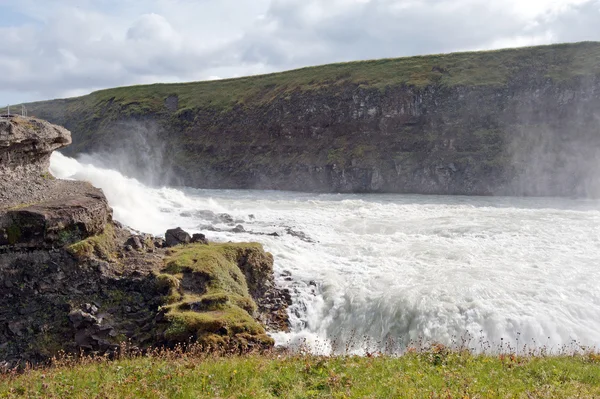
209, 300
491, 68
416, 375
101, 246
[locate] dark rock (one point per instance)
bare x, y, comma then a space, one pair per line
91, 309
55, 296
299, 234
83, 339
15, 327
81, 319
135, 242
199, 238
225, 218
238, 229
209, 228
160, 243
172, 102
177, 236
213, 217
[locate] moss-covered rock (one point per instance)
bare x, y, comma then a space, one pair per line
94, 295
210, 303
102, 246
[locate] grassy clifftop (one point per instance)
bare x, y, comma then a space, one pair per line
558, 62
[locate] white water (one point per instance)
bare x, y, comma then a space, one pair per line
401, 267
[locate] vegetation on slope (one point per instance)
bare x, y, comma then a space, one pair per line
209, 301
432, 374
493, 68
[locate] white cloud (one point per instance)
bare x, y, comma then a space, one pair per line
75, 46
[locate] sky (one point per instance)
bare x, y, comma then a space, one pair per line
65, 48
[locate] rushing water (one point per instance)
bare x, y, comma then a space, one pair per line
401, 267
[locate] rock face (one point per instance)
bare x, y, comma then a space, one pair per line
37, 211
57, 222
512, 122
74, 280
26, 145
94, 295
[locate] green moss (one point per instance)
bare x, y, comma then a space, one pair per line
48, 344
167, 282
336, 157
216, 262
47, 176
14, 233
219, 304
169, 285
68, 237
117, 298
228, 321
101, 246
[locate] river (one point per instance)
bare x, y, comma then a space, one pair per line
367, 270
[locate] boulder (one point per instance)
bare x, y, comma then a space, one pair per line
159, 242
199, 238
177, 236
238, 229
135, 242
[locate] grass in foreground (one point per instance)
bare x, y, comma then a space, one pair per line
436, 373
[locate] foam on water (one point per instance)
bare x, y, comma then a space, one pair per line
401, 267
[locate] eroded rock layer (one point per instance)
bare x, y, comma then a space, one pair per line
26, 145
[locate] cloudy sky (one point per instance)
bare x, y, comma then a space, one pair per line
63, 48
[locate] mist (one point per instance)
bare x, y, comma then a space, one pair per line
136, 149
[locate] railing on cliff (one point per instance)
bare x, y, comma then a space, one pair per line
9, 115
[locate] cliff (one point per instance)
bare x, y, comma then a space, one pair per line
73, 280
508, 122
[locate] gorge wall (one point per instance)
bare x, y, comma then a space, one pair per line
510, 122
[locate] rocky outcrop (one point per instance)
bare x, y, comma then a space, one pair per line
83, 213
511, 122
97, 294
74, 280
37, 211
26, 145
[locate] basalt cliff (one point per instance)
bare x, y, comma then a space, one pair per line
74, 280
510, 122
